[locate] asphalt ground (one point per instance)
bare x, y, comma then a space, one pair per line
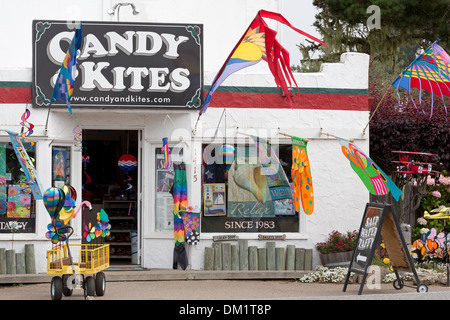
230, 290
221, 299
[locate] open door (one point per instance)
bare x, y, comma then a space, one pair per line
111, 181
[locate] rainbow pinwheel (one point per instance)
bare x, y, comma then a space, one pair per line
430, 71
103, 227
259, 43
56, 232
89, 232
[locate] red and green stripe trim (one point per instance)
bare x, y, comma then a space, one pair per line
242, 97
15, 91
309, 98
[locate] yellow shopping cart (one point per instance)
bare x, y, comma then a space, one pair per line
73, 262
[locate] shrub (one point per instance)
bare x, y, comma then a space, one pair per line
338, 242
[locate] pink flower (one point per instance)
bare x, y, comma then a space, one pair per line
444, 180
26, 199
436, 194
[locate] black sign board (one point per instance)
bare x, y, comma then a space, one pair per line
368, 232
379, 222
126, 64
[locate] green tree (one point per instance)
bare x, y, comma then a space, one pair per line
409, 24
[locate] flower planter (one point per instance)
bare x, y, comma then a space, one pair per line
338, 259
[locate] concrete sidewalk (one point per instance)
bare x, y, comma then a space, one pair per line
168, 284
119, 275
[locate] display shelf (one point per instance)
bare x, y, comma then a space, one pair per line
122, 216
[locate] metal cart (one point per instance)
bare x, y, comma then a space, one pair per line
70, 263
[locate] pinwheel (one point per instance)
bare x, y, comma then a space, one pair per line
55, 233
89, 232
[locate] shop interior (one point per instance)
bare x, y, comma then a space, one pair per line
110, 182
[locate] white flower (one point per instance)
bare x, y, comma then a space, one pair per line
422, 221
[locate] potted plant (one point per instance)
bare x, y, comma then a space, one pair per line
338, 249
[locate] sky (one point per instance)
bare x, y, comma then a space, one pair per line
300, 13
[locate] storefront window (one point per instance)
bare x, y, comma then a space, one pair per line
60, 166
164, 184
235, 191
17, 204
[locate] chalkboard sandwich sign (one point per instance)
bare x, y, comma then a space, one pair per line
379, 222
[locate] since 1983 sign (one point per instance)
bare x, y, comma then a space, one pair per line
126, 65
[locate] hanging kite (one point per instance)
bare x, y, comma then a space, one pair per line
275, 180
301, 176
179, 205
375, 180
63, 89
27, 166
430, 72
259, 43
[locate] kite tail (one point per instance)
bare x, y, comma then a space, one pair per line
432, 104
412, 99
278, 57
280, 18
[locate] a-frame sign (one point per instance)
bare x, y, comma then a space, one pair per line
380, 223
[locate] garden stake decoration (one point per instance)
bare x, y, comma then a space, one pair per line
54, 199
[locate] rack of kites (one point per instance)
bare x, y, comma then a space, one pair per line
74, 266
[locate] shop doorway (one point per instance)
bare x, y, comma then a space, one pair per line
111, 182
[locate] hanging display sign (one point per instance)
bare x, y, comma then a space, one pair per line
126, 65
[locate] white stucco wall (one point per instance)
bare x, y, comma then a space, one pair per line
340, 196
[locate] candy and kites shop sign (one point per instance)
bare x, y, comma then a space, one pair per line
127, 65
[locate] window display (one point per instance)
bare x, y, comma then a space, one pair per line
60, 166
164, 186
17, 204
237, 196
214, 195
